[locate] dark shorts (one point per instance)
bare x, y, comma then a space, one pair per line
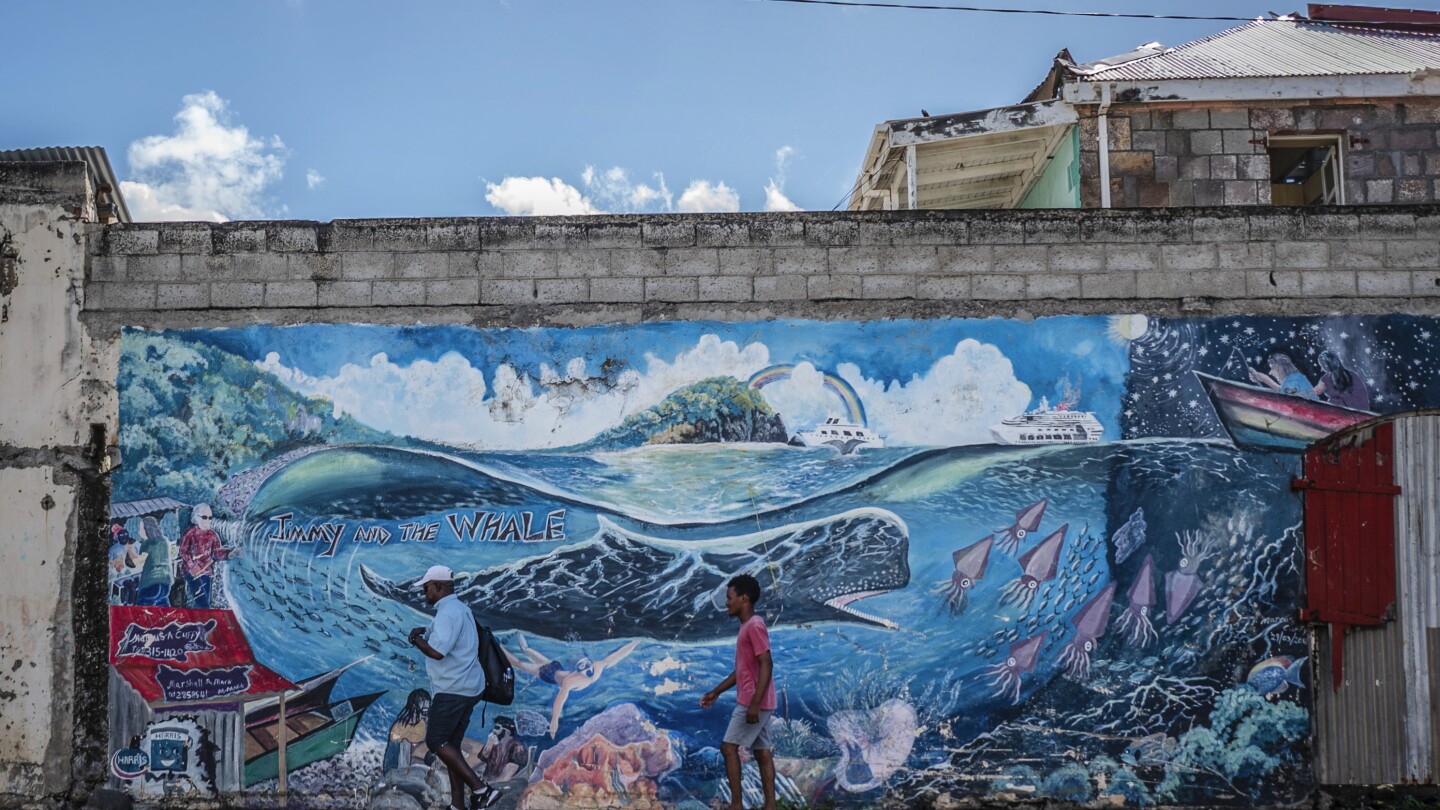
449, 717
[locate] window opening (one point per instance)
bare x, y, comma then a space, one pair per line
1306, 169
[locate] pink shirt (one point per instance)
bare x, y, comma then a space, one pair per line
754, 639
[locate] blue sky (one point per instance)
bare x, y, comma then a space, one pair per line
315, 109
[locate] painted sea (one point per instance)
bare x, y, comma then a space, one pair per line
702, 504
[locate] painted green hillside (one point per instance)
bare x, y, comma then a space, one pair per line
191, 415
718, 409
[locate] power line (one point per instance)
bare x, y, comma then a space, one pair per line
1090, 14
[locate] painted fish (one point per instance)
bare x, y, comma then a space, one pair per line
1273, 675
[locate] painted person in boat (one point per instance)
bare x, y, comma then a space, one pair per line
1339, 384
1284, 377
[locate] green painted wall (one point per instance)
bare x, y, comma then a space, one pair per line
1059, 184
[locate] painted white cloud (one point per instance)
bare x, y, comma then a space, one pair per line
536, 196
448, 399
702, 197
313, 179
209, 168
953, 403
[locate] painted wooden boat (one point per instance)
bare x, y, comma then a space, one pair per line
1262, 419
314, 734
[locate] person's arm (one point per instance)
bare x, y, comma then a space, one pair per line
762, 686
557, 709
1264, 379
708, 699
615, 657
417, 639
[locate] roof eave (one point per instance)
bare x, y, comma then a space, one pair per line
1087, 90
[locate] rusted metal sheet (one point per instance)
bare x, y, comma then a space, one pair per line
1379, 725
1359, 733
1417, 547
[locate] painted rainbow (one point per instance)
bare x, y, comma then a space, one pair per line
834, 384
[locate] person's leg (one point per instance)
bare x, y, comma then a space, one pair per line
732, 774
763, 750
457, 789
766, 763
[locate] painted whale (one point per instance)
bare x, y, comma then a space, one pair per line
620, 584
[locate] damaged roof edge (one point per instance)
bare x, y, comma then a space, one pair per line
910, 131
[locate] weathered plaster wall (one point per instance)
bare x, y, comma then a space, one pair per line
1202, 154
52, 677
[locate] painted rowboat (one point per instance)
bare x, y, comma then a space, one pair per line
1261, 419
314, 734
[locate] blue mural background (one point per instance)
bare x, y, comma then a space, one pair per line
1134, 640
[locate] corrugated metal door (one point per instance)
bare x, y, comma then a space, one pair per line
1370, 523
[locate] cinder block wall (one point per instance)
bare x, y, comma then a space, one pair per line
626, 269
1205, 155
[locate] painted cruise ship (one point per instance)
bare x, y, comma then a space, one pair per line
847, 437
1047, 425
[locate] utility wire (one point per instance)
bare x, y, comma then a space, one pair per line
1091, 14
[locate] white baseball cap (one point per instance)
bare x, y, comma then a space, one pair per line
437, 573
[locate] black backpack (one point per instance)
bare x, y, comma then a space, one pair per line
499, 675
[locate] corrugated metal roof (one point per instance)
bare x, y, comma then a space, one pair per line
1281, 48
149, 506
94, 156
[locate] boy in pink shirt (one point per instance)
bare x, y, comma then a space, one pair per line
750, 722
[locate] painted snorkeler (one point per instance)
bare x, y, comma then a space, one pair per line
580, 676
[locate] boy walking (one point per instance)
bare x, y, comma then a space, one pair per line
754, 674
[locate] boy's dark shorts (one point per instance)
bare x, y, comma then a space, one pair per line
449, 717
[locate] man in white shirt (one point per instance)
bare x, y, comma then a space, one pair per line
451, 647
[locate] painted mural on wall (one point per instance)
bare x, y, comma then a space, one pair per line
1049, 558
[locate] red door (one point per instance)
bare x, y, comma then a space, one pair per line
1349, 486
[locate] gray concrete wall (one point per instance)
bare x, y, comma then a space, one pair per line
748, 266
1199, 154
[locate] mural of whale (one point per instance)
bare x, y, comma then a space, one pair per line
620, 584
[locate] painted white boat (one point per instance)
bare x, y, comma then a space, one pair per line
847, 437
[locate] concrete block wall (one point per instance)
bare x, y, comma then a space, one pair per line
624, 269
1208, 155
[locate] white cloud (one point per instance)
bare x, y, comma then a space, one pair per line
448, 400
313, 179
702, 197
208, 169
613, 190
536, 196
775, 199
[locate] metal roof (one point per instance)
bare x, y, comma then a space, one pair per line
93, 156
1281, 48
149, 506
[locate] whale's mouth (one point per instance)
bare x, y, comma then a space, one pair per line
843, 603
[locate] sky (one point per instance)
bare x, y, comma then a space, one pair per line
331, 109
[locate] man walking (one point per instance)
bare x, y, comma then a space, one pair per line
451, 648
754, 673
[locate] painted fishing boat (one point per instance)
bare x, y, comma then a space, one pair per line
1261, 419
314, 734
308, 695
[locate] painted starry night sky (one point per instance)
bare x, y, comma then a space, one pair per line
1394, 355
